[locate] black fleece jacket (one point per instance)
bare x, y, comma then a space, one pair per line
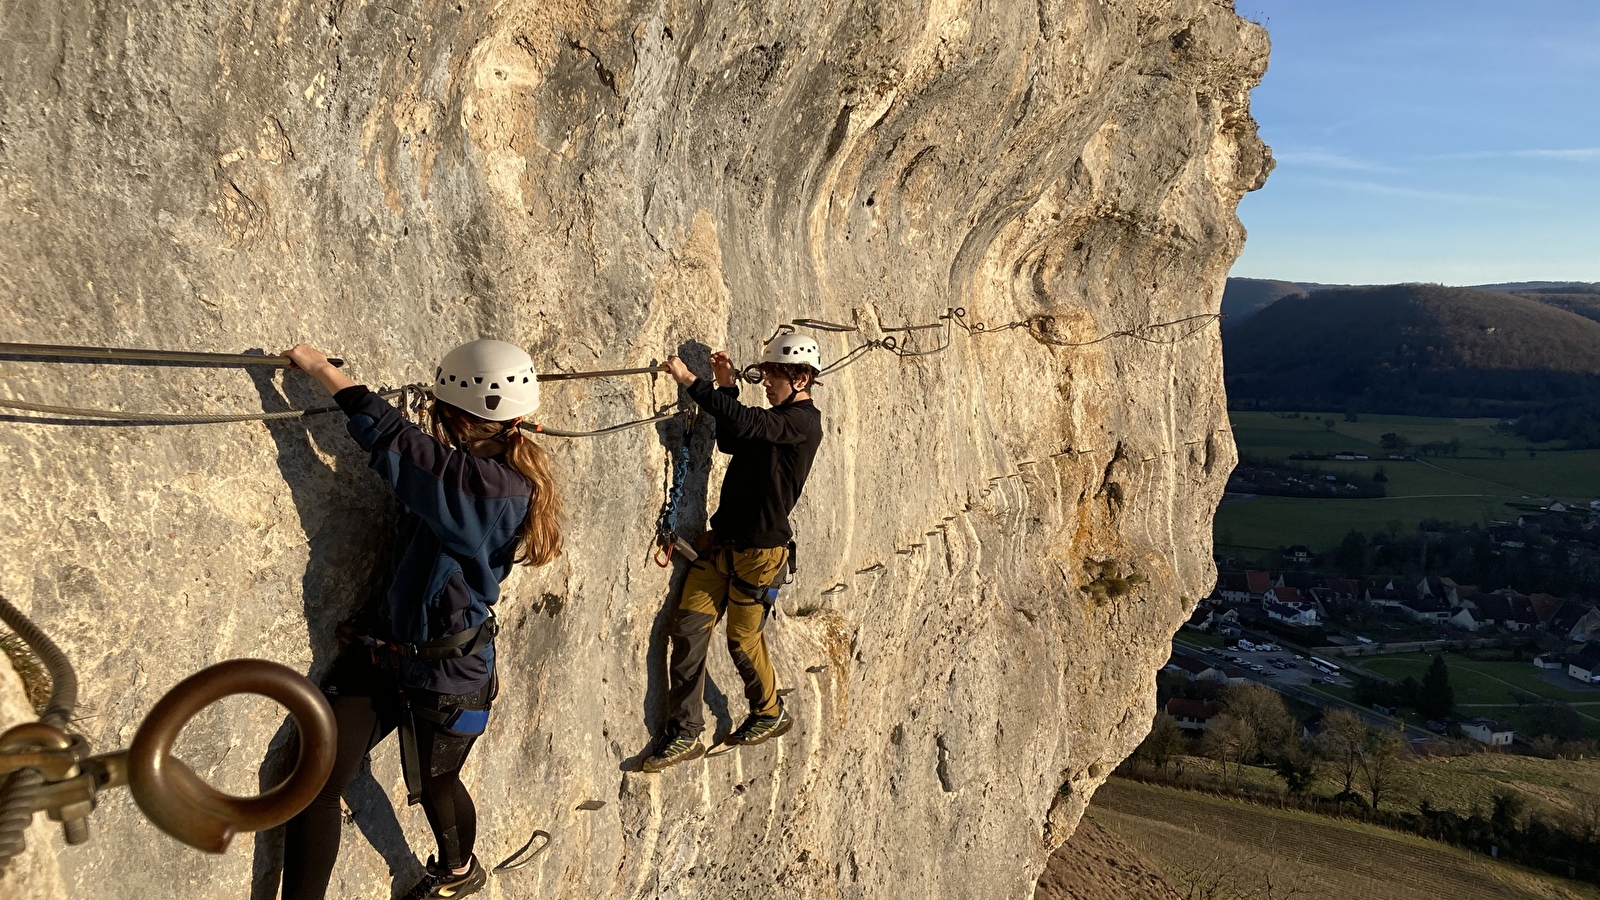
772, 452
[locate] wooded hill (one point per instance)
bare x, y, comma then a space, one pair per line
1417, 349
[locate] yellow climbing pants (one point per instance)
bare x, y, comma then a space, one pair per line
711, 589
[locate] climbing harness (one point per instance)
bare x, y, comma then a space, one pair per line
48, 767
667, 539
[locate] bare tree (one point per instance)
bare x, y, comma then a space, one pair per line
1263, 709
1382, 763
1163, 744
1236, 879
1588, 814
1340, 745
1229, 739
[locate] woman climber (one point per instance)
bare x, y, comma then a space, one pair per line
478, 498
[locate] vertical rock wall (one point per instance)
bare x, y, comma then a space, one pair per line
997, 540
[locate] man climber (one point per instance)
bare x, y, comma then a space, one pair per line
750, 544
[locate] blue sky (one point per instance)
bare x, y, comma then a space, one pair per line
1426, 140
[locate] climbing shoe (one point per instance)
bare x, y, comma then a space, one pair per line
681, 748
757, 729
441, 882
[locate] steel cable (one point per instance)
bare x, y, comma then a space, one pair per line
63, 680
19, 795
20, 791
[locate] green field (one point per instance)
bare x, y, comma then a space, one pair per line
1186, 832
1474, 486
1489, 689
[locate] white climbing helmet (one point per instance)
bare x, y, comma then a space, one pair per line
795, 350
492, 380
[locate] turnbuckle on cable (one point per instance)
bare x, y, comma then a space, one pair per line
46, 767
166, 790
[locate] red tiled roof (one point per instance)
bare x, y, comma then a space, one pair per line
1200, 710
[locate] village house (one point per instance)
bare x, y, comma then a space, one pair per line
1300, 581
1390, 595
1225, 622
1258, 583
1436, 588
1287, 596
1544, 607
1464, 619
1427, 610
1299, 616
1200, 620
1546, 661
1193, 669
1586, 665
1232, 587
1298, 555
1488, 731
1506, 536
1506, 609
1193, 715
1575, 621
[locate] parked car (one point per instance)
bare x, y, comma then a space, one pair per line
1328, 679
1437, 727
1362, 640
1298, 656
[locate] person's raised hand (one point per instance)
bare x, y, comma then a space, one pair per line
305, 357
722, 368
679, 372
315, 363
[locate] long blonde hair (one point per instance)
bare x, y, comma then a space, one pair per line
539, 535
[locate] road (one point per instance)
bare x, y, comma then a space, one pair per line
1297, 691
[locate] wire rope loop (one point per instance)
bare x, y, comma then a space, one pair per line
511, 863
180, 803
889, 343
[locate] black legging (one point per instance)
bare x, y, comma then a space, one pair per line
311, 844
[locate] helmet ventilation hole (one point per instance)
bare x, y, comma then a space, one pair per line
491, 401
476, 379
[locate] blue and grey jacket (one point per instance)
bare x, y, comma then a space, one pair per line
455, 542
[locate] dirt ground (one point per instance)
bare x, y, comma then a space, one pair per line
1097, 865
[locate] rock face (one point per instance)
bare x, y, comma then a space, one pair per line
997, 540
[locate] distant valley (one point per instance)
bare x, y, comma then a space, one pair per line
1529, 352
1244, 297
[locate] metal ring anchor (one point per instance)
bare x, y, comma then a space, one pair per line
180, 803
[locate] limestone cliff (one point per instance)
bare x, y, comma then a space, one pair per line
997, 541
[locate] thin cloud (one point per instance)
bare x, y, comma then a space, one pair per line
1327, 159
1571, 154
1389, 190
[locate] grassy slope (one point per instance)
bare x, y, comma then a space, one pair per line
1473, 486
1329, 859
1552, 787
